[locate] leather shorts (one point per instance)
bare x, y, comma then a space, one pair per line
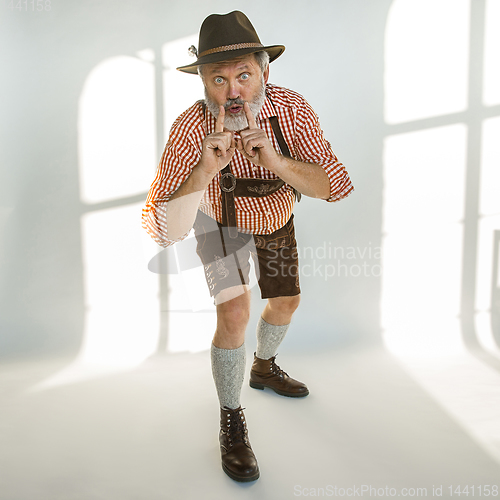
226, 261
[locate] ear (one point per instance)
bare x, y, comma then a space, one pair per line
266, 74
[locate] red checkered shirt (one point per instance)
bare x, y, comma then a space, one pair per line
256, 215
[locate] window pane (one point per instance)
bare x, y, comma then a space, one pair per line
117, 138
492, 53
424, 174
426, 59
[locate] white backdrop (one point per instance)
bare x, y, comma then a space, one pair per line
398, 330
406, 261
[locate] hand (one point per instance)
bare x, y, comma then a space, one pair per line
254, 144
217, 148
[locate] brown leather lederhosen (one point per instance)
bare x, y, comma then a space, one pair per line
232, 186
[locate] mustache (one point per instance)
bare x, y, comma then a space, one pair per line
232, 102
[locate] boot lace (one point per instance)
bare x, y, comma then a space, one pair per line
276, 369
236, 427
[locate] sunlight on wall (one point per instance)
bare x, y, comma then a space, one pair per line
424, 176
426, 54
424, 206
492, 54
117, 130
120, 295
489, 222
117, 157
424, 173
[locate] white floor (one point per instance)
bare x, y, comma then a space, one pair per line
371, 420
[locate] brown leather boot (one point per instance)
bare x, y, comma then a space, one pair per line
266, 373
238, 459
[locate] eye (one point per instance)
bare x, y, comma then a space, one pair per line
218, 80
245, 76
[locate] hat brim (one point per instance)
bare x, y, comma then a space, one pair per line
274, 52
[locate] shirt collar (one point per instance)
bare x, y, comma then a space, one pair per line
267, 109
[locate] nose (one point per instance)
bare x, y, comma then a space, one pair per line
233, 90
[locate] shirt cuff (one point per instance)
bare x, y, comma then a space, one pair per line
154, 221
340, 183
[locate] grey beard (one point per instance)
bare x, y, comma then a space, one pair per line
240, 122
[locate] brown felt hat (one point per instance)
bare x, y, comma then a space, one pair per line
226, 36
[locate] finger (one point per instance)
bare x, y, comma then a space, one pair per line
224, 147
219, 124
249, 115
251, 143
219, 152
229, 144
219, 144
241, 146
231, 150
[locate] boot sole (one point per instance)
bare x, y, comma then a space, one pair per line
255, 385
240, 479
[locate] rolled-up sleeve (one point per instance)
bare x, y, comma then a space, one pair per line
181, 154
311, 146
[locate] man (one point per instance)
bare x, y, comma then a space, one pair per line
232, 168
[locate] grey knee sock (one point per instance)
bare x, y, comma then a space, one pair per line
228, 369
269, 338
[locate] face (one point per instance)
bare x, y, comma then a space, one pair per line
232, 83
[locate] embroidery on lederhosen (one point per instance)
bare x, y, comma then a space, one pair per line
259, 242
222, 270
262, 189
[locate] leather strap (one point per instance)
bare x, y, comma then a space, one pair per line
227, 185
283, 145
279, 136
